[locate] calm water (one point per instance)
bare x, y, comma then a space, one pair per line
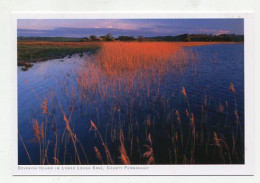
57, 80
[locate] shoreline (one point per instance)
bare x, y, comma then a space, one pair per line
39, 51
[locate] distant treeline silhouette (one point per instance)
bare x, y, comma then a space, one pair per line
109, 37
200, 37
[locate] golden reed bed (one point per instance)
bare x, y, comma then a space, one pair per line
121, 64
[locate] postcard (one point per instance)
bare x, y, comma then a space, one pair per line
133, 94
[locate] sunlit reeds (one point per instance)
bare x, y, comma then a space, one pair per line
45, 106
123, 155
149, 153
72, 136
232, 88
98, 155
108, 155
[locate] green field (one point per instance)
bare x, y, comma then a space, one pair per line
35, 51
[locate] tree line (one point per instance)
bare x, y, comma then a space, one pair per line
181, 38
109, 37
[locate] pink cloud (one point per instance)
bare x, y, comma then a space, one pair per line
212, 31
222, 32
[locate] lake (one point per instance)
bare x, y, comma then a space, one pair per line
97, 109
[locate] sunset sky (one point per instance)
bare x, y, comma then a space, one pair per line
129, 27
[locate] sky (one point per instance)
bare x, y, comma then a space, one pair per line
127, 27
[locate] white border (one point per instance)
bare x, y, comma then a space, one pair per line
246, 169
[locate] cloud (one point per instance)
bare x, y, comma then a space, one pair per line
213, 31
166, 27
222, 32
82, 32
145, 28
29, 31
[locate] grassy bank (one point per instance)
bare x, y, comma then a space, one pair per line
36, 51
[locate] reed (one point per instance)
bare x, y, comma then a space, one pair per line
36, 131
232, 88
123, 155
174, 141
98, 155
179, 122
149, 153
186, 96
72, 135
220, 143
45, 106
108, 155
25, 148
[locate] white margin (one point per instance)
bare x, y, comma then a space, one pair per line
245, 169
